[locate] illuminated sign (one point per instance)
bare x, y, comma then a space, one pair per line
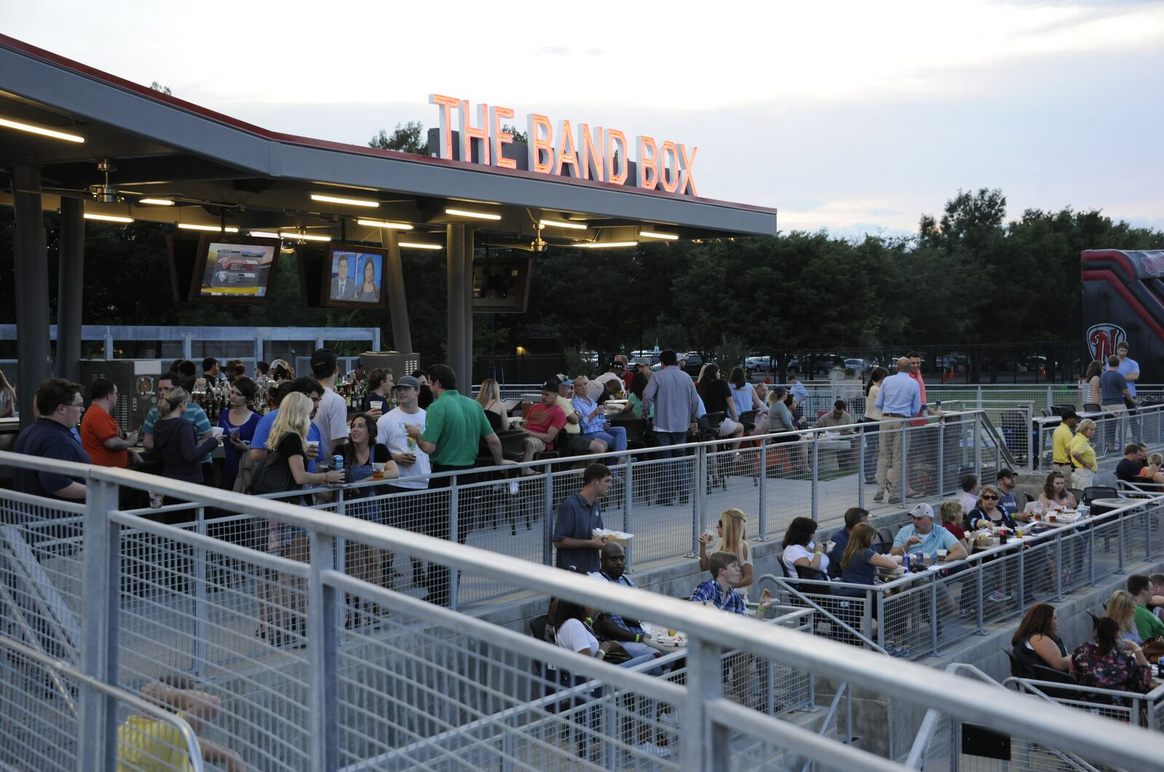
589, 153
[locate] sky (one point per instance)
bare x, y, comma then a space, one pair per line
855, 117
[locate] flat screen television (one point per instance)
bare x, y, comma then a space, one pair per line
234, 268
353, 277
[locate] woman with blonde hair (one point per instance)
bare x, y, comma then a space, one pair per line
731, 529
289, 437
1152, 473
1121, 608
1083, 463
7, 397
174, 439
489, 397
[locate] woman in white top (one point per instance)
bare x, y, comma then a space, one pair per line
572, 634
746, 398
800, 549
731, 527
1090, 384
872, 414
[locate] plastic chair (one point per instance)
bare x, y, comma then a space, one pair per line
1099, 492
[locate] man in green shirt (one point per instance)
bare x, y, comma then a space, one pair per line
454, 427
1147, 624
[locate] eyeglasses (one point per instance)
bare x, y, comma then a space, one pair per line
990, 498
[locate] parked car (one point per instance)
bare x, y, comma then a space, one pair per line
814, 364
856, 365
760, 363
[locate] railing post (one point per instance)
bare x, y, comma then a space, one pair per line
1120, 520
454, 536
201, 623
816, 477
763, 485
881, 620
903, 474
978, 437
323, 670
941, 457
861, 468
1021, 580
934, 612
699, 480
1059, 567
628, 503
978, 615
547, 517
1050, 399
100, 625
867, 617
702, 746
1091, 555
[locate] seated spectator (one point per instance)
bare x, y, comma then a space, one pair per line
543, 423
859, 561
1007, 500
782, 423
1110, 662
148, 743
840, 538
593, 418
1055, 495
609, 626
1121, 608
58, 410
1153, 471
1128, 469
1037, 640
835, 418
801, 550
988, 514
1156, 601
1148, 625
732, 538
598, 387
638, 386
489, 397
797, 390
921, 537
951, 515
968, 498
717, 398
574, 442
746, 399
572, 633
725, 568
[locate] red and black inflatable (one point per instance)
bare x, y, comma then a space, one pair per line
1123, 299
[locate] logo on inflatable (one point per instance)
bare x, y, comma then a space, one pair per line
1102, 340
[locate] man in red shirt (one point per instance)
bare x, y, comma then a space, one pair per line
99, 433
543, 423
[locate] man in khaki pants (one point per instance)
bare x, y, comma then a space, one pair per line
1061, 445
899, 399
1113, 390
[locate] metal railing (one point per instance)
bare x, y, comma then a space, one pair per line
1144, 709
326, 689
915, 615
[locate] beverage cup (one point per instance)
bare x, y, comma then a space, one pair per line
942, 556
377, 470
1053, 518
217, 432
313, 445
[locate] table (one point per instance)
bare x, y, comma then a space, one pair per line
1101, 506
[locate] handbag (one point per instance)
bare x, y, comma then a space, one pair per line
246, 470
1153, 649
272, 475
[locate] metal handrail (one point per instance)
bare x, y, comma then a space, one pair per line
780, 581
706, 627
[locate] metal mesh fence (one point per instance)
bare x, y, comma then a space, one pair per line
40, 709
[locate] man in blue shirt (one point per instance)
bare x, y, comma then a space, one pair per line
923, 538
672, 394
303, 385
1113, 390
59, 404
899, 399
725, 567
1130, 370
578, 516
796, 388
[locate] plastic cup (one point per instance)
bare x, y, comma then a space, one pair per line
313, 445
942, 555
377, 470
216, 431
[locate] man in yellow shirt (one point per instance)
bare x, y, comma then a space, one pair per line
1061, 445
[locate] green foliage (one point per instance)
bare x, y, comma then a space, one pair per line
407, 138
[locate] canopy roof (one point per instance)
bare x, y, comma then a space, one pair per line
217, 169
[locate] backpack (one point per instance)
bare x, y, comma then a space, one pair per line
272, 475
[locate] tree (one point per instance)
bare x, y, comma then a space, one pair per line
159, 87
406, 138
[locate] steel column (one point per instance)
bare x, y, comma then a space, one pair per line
32, 303
455, 298
322, 672
467, 328
397, 301
70, 282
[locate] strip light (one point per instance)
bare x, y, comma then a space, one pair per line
561, 224
303, 236
418, 245
655, 235
107, 217
41, 130
263, 234
607, 244
469, 213
192, 226
348, 201
399, 226
156, 201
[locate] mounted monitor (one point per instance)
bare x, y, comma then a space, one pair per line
353, 277
501, 285
234, 268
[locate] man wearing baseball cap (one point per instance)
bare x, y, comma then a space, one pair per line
1061, 444
921, 537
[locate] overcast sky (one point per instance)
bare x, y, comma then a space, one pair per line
851, 116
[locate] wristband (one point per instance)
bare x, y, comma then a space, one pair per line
638, 638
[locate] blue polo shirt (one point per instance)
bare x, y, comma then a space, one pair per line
47, 439
1126, 367
937, 539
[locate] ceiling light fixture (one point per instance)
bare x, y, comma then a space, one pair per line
398, 226
303, 236
263, 234
41, 130
656, 235
559, 224
418, 245
107, 217
156, 201
607, 244
191, 226
348, 201
469, 213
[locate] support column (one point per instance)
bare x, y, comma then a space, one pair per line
468, 268
32, 303
455, 299
397, 302
69, 283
